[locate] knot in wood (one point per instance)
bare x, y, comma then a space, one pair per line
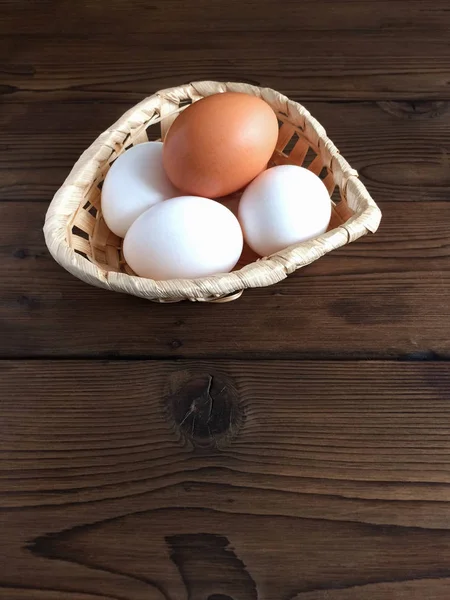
415, 110
205, 408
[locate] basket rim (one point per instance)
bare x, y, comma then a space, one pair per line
276, 267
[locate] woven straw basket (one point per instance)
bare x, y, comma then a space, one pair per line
80, 241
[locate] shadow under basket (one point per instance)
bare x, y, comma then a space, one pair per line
80, 241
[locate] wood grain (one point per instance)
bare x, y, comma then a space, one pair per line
336, 485
349, 49
383, 296
173, 16
401, 150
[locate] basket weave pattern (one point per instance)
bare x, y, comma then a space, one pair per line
79, 239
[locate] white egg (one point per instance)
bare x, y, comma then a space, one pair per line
283, 206
184, 237
135, 182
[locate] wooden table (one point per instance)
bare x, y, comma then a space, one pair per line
292, 445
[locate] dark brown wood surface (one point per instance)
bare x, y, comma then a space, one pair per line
300, 449
327, 480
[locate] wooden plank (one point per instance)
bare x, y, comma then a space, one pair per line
402, 150
349, 49
224, 479
353, 74
173, 16
383, 296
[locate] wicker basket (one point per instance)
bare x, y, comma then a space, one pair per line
80, 241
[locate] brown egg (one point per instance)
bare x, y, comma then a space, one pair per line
219, 144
